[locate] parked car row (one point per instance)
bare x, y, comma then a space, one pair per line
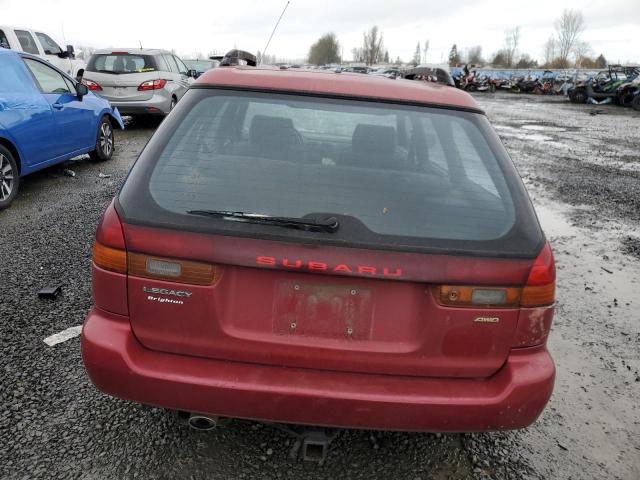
53, 107
47, 117
618, 84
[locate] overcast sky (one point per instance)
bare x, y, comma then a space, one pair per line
188, 26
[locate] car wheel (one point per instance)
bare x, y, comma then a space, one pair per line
104, 142
9, 178
173, 103
636, 103
580, 96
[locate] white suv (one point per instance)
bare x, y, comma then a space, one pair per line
41, 44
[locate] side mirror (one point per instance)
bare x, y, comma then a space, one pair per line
81, 90
79, 75
70, 51
192, 73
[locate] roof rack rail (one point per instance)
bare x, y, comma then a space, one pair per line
236, 57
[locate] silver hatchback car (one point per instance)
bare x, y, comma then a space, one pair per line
138, 81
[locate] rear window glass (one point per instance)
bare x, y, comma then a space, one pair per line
121, 63
399, 171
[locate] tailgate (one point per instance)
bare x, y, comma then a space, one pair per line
330, 308
123, 87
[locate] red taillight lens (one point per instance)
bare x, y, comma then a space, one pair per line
91, 85
536, 302
152, 85
540, 289
109, 251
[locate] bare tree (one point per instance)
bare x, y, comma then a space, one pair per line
373, 46
581, 51
474, 55
569, 27
549, 51
416, 55
511, 42
425, 50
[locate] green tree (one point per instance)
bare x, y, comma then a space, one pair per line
454, 56
601, 62
325, 50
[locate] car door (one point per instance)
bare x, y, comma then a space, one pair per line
53, 53
25, 114
74, 123
180, 84
185, 80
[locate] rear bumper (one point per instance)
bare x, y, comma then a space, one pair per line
158, 104
119, 365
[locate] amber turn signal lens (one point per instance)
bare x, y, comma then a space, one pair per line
538, 296
465, 296
173, 270
110, 259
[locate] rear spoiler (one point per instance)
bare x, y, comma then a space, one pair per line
236, 57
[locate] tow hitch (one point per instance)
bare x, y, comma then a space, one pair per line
311, 444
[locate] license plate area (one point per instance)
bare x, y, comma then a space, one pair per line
323, 311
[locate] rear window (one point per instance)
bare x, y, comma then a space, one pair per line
121, 63
389, 172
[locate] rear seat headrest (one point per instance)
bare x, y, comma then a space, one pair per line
272, 132
375, 140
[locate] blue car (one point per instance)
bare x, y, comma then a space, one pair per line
46, 117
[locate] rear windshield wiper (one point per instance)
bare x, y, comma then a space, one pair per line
329, 225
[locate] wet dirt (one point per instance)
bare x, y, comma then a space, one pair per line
580, 170
587, 201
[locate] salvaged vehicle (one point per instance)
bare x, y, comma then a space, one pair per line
46, 117
138, 81
430, 73
603, 86
42, 45
316, 248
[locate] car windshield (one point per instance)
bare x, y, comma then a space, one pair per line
119, 63
200, 65
401, 171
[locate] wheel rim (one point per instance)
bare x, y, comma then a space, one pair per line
6, 178
106, 139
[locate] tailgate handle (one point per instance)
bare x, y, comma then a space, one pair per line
58, 106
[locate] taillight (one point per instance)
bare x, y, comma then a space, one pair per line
540, 289
152, 85
109, 251
173, 270
91, 85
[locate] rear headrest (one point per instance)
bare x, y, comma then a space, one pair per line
118, 65
272, 132
374, 140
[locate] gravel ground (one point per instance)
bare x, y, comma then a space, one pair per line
582, 171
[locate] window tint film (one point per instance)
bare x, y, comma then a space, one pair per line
27, 42
50, 47
399, 171
50, 80
121, 63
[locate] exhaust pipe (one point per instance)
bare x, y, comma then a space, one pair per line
202, 423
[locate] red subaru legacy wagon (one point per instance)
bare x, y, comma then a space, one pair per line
325, 249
